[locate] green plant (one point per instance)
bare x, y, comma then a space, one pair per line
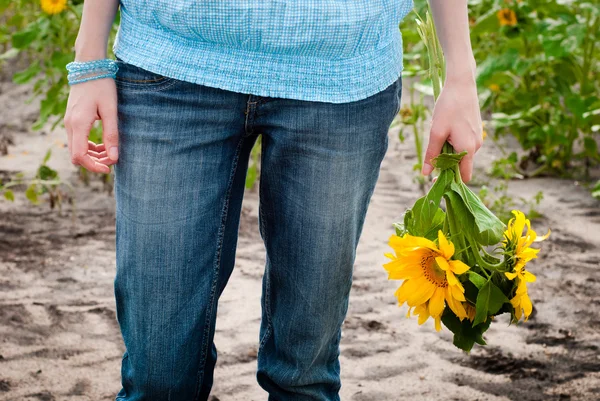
538, 68
45, 182
501, 203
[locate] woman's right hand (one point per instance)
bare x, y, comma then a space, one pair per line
88, 102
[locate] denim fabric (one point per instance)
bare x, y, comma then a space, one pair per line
179, 183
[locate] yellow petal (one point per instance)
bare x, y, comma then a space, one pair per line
438, 324
421, 310
520, 222
398, 271
527, 306
518, 312
521, 287
436, 303
442, 263
408, 242
539, 239
458, 267
529, 277
457, 293
511, 276
403, 291
446, 247
456, 306
421, 294
415, 291
515, 301
452, 280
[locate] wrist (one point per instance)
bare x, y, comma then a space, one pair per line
89, 56
461, 71
89, 53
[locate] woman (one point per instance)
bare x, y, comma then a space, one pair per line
197, 82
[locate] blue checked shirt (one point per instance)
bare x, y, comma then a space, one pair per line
319, 50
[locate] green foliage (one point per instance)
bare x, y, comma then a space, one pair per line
47, 41
540, 79
537, 77
45, 182
596, 191
254, 164
489, 301
465, 334
500, 202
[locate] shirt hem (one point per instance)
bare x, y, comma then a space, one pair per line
261, 74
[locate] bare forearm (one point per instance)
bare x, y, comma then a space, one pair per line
452, 25
456, 117
92, 39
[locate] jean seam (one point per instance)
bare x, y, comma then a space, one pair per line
148, 87
216, 269
265, 237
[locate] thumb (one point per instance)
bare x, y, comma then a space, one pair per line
110, 134
436, 142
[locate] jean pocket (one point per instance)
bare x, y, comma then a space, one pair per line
132, 77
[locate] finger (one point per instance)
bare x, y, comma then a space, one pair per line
436, 142
80, 149
94, 165
97, 155
98, 147
105, 160
466, 167
110, 136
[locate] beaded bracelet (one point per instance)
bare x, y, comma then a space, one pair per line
83, 71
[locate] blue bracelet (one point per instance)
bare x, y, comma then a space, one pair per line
84, 71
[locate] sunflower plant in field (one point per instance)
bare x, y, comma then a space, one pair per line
461, 265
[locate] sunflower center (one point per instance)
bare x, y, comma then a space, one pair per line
432, 271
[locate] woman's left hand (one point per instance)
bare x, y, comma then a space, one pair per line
456, 119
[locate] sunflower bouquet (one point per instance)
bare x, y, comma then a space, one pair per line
460, 265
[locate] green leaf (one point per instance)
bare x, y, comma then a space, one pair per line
490, 230
9, 54
31, 194
437, 223
486, 23
24, 38
489, 301
424, 214
47, 156
46, 173
465, 335
591, 147
445, 161
9, 195
476, 279
26, 75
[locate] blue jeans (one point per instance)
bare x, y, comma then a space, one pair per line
179, 183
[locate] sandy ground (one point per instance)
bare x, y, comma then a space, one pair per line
59, 338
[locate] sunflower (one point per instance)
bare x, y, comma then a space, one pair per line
521, 301
494, 87
53, 6
470, 309
429, 276
518, 238
507, 17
